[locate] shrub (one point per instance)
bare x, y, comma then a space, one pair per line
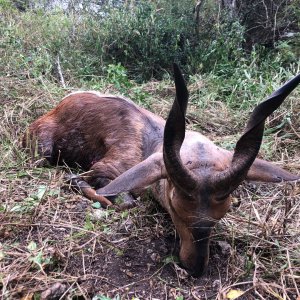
144, 38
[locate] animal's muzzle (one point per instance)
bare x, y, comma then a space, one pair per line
194, 254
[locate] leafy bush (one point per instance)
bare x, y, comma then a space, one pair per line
267, 22
31, 41
144, 39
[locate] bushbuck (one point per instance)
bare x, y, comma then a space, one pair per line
127, 148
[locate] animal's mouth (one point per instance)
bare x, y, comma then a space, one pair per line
200, 267
195, 262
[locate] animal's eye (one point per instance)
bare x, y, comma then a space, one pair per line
221, 198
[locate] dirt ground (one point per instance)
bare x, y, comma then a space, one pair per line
134, 257
83, 252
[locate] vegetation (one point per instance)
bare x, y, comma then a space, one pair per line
54, 241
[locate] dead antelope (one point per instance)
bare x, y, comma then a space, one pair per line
127, 149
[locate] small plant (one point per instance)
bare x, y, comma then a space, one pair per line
37, 257
102, 297
117, 75
171, 259
30, 202
33, 200
140, 96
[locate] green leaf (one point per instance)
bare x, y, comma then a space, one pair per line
124, 214
32, 246
96, 205
54, 192
16, 208
170, 259
38, 259
41, 192
101, 297
22, 174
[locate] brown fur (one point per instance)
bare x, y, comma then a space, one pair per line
103, 134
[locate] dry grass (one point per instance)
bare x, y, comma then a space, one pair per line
54, 243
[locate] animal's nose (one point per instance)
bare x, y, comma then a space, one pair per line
199, 268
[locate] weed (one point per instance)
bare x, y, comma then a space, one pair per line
37, 256
101, 297
117, 75
33, 200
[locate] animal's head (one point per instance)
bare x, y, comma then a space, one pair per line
197, 197
200, 196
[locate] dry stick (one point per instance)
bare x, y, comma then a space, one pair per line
268, 287
239, 219
291, 271
84, 245
76, 278
62, 81
82, 292
275, 21
294, 130
194, 295
240, 283
83, 265
283, 283
259, 295
65, 293
69, 248
272, 292
141, 280
60, 225
197, 13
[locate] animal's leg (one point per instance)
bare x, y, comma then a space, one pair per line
105, 171
78, 183
101, 174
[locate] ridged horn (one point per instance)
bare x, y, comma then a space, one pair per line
174, 135
248, 145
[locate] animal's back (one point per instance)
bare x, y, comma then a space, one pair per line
86, 126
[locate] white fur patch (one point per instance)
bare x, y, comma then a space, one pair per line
101, 95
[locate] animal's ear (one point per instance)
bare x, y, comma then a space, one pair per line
140, 176
265, 171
